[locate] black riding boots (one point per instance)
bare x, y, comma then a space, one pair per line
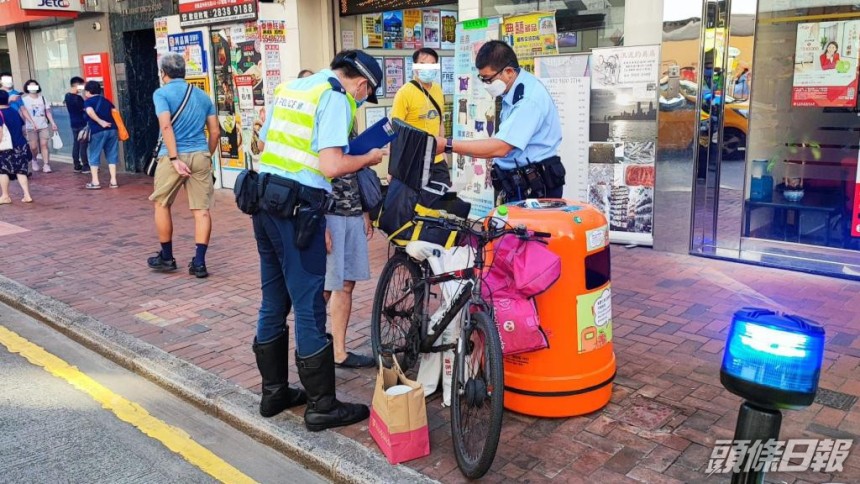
273, 362
324, 411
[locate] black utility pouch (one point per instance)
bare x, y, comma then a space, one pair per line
518, 184
553, 173
535, 181
247, 191
279, 199
307, 223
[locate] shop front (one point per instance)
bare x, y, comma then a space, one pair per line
48, 42
759, 132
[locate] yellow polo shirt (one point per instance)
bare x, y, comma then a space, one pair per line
412, 106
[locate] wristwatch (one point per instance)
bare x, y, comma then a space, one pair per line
449, 145
173, 158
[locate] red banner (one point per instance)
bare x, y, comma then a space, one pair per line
202, 12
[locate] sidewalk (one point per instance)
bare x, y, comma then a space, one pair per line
88, 250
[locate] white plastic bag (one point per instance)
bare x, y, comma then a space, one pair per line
434, 365
57, 141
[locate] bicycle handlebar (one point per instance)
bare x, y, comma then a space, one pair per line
458, 224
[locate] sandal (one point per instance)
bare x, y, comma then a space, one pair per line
27, 200
90, 186
356, 361
5, 201
114, 185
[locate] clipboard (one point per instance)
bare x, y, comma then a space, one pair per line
376, 136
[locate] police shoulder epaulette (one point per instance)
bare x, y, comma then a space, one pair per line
519, 92
336, 85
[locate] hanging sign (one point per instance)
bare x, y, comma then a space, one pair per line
530, 35
53, 5
190, 46
203, 12
353, 7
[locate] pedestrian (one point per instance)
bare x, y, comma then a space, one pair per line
14, 162
40, 126
75, 106
8, 84
420, 103
742, 88
103, 134
348, 229
525, 149
305, 73
306, 145
185, 160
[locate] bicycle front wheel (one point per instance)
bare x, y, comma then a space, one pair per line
477, 397
398, 305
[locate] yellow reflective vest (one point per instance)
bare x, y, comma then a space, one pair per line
288, 141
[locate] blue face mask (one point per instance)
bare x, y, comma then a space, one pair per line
427, 76
358, 103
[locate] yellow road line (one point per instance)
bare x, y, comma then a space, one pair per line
173, 438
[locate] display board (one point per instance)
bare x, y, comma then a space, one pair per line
567, 78
204, 12
624, 104
531, 34
474, 116
354, 7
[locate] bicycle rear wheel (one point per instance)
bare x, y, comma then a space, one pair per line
398, 306
477, 397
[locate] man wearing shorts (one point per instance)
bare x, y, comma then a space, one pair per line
185, 160
347, 230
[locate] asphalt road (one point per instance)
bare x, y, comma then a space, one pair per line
96, 422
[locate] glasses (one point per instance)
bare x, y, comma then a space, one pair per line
488, 80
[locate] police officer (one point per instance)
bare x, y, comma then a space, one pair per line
306, 145
525, 148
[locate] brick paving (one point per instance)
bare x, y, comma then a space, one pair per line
671, 313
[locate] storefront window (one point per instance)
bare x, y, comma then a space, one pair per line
804, 127
582, 25
55, 59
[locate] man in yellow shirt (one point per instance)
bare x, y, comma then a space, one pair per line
420, 101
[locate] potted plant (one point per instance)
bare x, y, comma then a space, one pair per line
793, 172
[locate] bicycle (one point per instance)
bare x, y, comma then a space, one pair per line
400, 328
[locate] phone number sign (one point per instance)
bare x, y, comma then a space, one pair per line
202, 12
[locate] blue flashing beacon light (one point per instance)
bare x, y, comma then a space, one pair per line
773, 360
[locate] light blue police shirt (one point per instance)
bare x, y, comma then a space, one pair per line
331, 128
531, 126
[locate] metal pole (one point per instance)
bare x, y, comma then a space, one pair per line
754, 424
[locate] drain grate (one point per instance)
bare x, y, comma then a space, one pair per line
837, 400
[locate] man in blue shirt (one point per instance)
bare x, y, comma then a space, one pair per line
306, 138
75, 106
525, 148
186, 160
15, 101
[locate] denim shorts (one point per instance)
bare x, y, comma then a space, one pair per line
107, 141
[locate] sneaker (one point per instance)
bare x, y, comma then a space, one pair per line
77, 170
156, 263
47, 169
198, 271
86, 171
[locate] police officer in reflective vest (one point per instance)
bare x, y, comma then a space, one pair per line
306, 145
525, 148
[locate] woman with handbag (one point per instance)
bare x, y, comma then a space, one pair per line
102, 134
42, 127
14, 153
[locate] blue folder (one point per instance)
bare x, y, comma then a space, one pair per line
376, 136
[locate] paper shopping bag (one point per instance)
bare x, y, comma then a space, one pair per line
398, 417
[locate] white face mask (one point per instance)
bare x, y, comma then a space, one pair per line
496, 88
32, 89
6, 81
79, 88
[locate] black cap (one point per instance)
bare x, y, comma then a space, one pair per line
369, 69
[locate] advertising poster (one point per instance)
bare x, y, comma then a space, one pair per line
473, 113
252, 31
447, 75
249, 63
393, 75
347, 39
407, 68
273, 31
225, 102
190, 45
202, 12
371, 31
372, 115
449, 28
531, 35
825, 64
594, 320
392, 29
413, 31
201, 83
159, 24
380, 91
432, 32
623, 132
567, 80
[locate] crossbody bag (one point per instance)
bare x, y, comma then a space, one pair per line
150, 167
85, 134
427, 93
